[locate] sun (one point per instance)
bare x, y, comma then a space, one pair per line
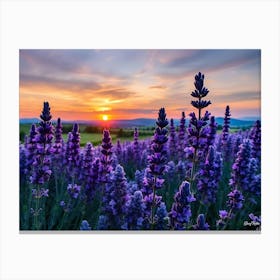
105, 118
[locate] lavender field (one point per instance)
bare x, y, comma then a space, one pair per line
185, 178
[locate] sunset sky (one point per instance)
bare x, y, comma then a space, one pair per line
128, 84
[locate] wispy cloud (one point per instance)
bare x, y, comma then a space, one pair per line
129, 83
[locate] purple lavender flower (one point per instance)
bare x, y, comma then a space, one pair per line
118, 151
161, 218
31, 149
139, 177
92, 180
147, 183
73, 190
22, 161
199, 93
105, 160
72, 153
119, 193
172, 140
224, 215
212, 129
226, 125
181, 170
58, 144
197, 131
157, 161
87, 173
131, 188
42, 161
135, 211
103, 223
136, 149
210, 174
182, 136
171, 170
255, 185
85, 225
152, 202
240, 175
255, 136
181, 208
201, 223
197, 141
235, 200
45, 129
237, 143
115, 200
62, 203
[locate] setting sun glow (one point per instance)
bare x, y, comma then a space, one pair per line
105, 118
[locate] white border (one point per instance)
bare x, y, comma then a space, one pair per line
155, 24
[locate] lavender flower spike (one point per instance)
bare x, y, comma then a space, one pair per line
181, 208
158, 159
182, 135
240, 175
85, 225
135, 211
114, 201
235, 200
58, 138
212, 129
225, 133
106, 159
42, 162
199, 93
74, 190
210, 175
157, 162
72, 152
201, 223
136, 148
31, 148
172, 139
256, 140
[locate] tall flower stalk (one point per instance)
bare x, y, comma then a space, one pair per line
240, 180
136, 148
212, 130
226, 126
182, 135
157, 161
58, 143
209, 176
105, 167
172, 139
226, 137
197, 132
255, 136
41, 172
73, 153
31, 149
114, 202
180, 213
240, 175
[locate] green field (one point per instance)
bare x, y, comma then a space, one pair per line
94, 137
94, 134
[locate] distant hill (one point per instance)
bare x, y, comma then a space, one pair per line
236, 122
143, 122
29, 121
